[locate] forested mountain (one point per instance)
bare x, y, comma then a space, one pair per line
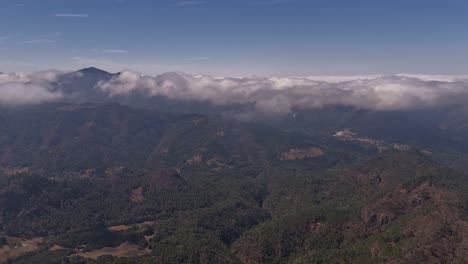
440, 128
127, 180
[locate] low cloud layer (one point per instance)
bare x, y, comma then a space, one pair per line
264, 95
281, 95
23, 89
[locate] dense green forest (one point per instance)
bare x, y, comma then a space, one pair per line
192, 188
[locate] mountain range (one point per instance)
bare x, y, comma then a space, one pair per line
107, 169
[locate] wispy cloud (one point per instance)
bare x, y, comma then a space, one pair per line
44, 39
72, 15
189, 3
273, 2
17, 5
114, 51
39, 41
7, 37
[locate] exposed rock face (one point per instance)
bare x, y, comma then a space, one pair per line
137, 195
197, 158
299, 154
13, 170
348, 135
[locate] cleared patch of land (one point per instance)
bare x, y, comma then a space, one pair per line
126, 227
56, 247
17, 247
298, 154
125, 249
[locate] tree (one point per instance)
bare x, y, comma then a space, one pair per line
3, 241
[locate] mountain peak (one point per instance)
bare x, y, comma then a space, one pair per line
93, 70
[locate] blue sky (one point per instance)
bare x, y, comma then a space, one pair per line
237, 37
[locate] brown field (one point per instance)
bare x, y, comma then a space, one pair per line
56, 247
22, 247
299, 154
147, 238
126, 227
126, 249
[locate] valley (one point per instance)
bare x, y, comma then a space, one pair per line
172, 188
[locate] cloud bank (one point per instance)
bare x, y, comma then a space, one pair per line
25, 89
282, 95
274, 95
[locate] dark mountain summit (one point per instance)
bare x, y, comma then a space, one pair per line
93, 70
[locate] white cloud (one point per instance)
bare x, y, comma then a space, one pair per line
264, 94
189, 3
39, 41
72, 15
273, 2
114, 51
281, 95
20, 89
